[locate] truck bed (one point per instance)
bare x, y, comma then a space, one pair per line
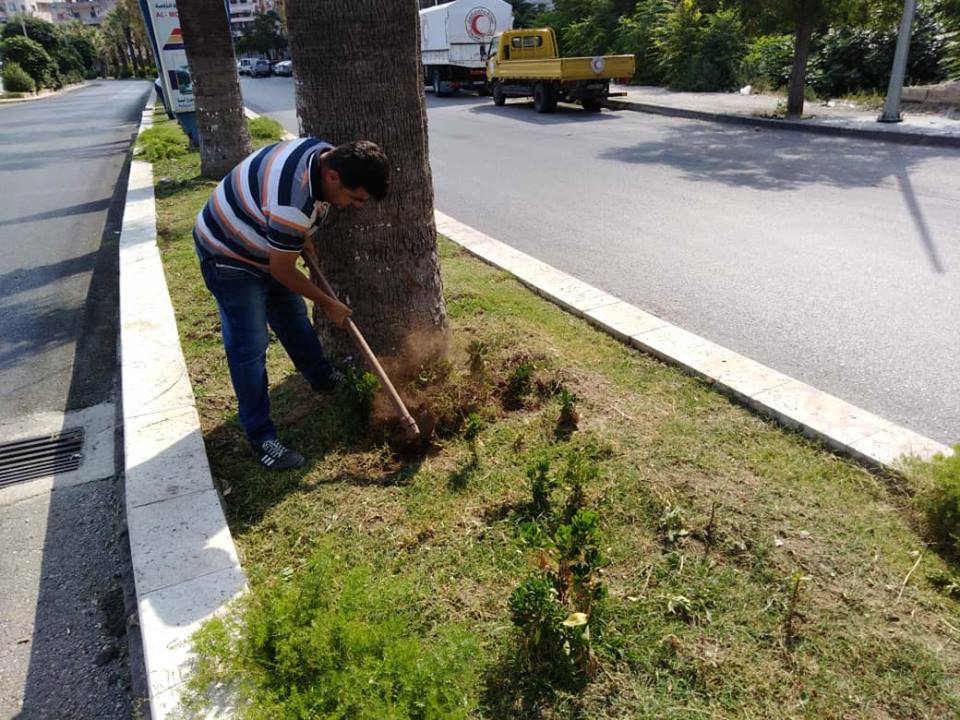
566, 69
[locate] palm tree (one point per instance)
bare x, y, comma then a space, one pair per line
224, 137
381, 259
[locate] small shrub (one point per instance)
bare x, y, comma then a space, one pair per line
336, 642
265, 128
30, 56
355, 397
520, 382
579, 472
672, 525
542, 484
162, 143
569, 415
15, 79
943, 501
769, 61
479, 354
472, 427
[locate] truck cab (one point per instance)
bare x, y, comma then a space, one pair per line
527, 63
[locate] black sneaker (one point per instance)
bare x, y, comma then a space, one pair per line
331, 382
274, 456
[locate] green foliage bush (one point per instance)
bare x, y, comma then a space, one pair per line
15, 79
162, 143
264, 128
722, 49
769, 62
636, 34
943, 501
30, 56
679, 40
334, 642
355, 397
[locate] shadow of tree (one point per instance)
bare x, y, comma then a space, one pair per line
785, 161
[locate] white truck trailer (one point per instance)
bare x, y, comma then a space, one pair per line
453, 41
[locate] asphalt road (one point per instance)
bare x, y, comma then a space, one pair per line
65, 565
833, 260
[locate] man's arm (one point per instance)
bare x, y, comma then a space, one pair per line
283, 267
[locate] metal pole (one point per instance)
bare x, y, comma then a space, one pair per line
891, 110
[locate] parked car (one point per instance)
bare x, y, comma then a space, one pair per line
254, 67
284, 68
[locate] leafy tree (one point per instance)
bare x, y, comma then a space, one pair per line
722, 50
30, 56
265, 34
678, 41
636, 34
40, 31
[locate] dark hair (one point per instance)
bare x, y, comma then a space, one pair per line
361, 164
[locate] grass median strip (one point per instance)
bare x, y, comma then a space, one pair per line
596, 535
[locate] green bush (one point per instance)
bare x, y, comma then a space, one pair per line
636, 34
678, 41
30, 56
722, 49
15, 79
336, 642
264, 128
162, 143
769, 62
943, 501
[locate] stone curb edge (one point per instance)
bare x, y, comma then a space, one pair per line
185, 565
903, 138
841, 426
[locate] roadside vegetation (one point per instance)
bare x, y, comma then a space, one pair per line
702, 45
51, 56
589, 534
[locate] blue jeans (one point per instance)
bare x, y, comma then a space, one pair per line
248, 301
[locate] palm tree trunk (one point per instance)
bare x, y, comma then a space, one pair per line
224, 137
381, 259
806, 11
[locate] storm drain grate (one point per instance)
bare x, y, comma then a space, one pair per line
36, 457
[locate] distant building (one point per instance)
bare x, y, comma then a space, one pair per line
59, 12
243, 12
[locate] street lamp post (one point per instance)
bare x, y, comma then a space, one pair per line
891, 109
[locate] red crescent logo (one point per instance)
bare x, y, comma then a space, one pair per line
473, 25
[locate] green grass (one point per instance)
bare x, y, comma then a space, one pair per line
751, 573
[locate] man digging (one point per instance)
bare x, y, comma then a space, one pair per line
248, 238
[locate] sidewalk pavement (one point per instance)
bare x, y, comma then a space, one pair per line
921, 128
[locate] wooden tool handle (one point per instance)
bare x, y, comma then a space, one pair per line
410, 425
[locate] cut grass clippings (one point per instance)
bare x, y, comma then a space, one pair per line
750, 573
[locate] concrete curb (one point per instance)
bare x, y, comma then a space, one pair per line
894, 136
185, 564
841, 426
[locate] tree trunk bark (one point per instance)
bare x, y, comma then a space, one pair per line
134, 59
806, 10
224, 137
381, 259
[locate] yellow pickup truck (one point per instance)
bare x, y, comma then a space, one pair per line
526, 63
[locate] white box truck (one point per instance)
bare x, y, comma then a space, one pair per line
453, 41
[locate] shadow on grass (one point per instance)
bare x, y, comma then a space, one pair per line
513, 692
313, 424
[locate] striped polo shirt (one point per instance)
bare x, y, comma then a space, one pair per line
266, 203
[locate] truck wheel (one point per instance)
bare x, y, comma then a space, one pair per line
544, 98
498, 97
436, 85
591, 105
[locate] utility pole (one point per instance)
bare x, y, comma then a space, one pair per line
891, 110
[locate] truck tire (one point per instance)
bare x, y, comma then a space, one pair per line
592, 105
498, 97
436, 84
544, 97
